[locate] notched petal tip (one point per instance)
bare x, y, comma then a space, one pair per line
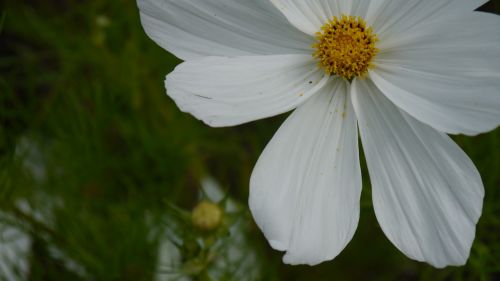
224, 91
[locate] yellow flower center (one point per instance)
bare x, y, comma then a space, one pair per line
345, 47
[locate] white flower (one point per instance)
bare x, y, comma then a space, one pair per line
421, 69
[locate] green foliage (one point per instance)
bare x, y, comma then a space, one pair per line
100, 168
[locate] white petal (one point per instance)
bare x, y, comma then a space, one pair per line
387, 17
197, 28
229, 91
448, 75
390, 18
449, 104
305, 188
427, 194
309, 16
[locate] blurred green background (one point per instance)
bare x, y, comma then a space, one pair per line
99, 170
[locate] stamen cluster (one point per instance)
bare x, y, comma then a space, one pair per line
345, 47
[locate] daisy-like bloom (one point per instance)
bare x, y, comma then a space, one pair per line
403, 72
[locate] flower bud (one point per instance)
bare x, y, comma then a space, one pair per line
206, 216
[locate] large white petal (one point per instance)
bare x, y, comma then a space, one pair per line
427, 194
391, 18
229, 91
447, 76
387, 17
197, 28
309, 16
305, 188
